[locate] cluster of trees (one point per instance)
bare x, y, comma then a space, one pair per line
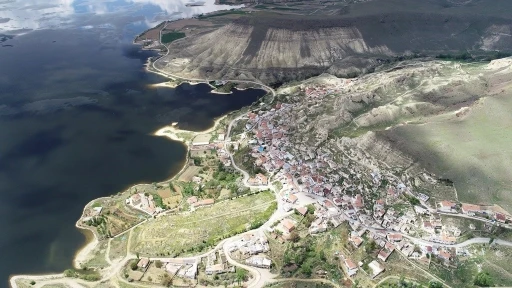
413, 200
304, 256
466, 56
87, 275
222, 175
188, 189
159, 202
100, 222
402, 283
226, 88
96, 221
483, 279
197, 160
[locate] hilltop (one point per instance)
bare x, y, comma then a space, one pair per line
279, 43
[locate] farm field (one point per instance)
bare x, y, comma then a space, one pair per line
194, 231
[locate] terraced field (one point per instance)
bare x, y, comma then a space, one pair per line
195, 231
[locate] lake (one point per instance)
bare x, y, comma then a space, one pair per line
77, 114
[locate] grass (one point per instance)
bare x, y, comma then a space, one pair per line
203, 228
172, 36
118, 246
461, 151
98, 256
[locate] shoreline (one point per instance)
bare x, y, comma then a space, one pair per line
92, 241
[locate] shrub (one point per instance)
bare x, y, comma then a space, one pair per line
133, 266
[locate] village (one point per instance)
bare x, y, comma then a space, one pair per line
378, 205
321, 184
346, 189
342, 187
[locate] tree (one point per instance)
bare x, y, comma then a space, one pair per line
483, 279
158, 264
306, 269
32, 282
241, 275
370, 246
69, 273
435, 284
133, 265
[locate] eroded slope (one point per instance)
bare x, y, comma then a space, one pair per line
275, 48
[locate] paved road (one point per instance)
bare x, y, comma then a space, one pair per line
478, 240
507, 226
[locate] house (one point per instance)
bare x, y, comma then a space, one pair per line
358, 202
356, 241
420, 210
143, 263
446, 206
192, 200
290, 198
351, 267
428, 227
302, 211
444, 239
384, 254
376, 267
389, 246
470, 209
136, 199
188, 271
259, 179
260, 262
288, 225
394, 237
500, 217
262, 179
445, 255
215, 269
204, 202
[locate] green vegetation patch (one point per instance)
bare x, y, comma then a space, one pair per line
203, 228
234, 12
172, 36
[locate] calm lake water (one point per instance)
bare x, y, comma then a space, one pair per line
77, 115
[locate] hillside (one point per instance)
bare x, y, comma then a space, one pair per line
279, 47
444, 118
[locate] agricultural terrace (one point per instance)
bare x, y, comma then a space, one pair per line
115, 216
196, 231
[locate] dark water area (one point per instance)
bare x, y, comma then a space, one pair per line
77, 114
